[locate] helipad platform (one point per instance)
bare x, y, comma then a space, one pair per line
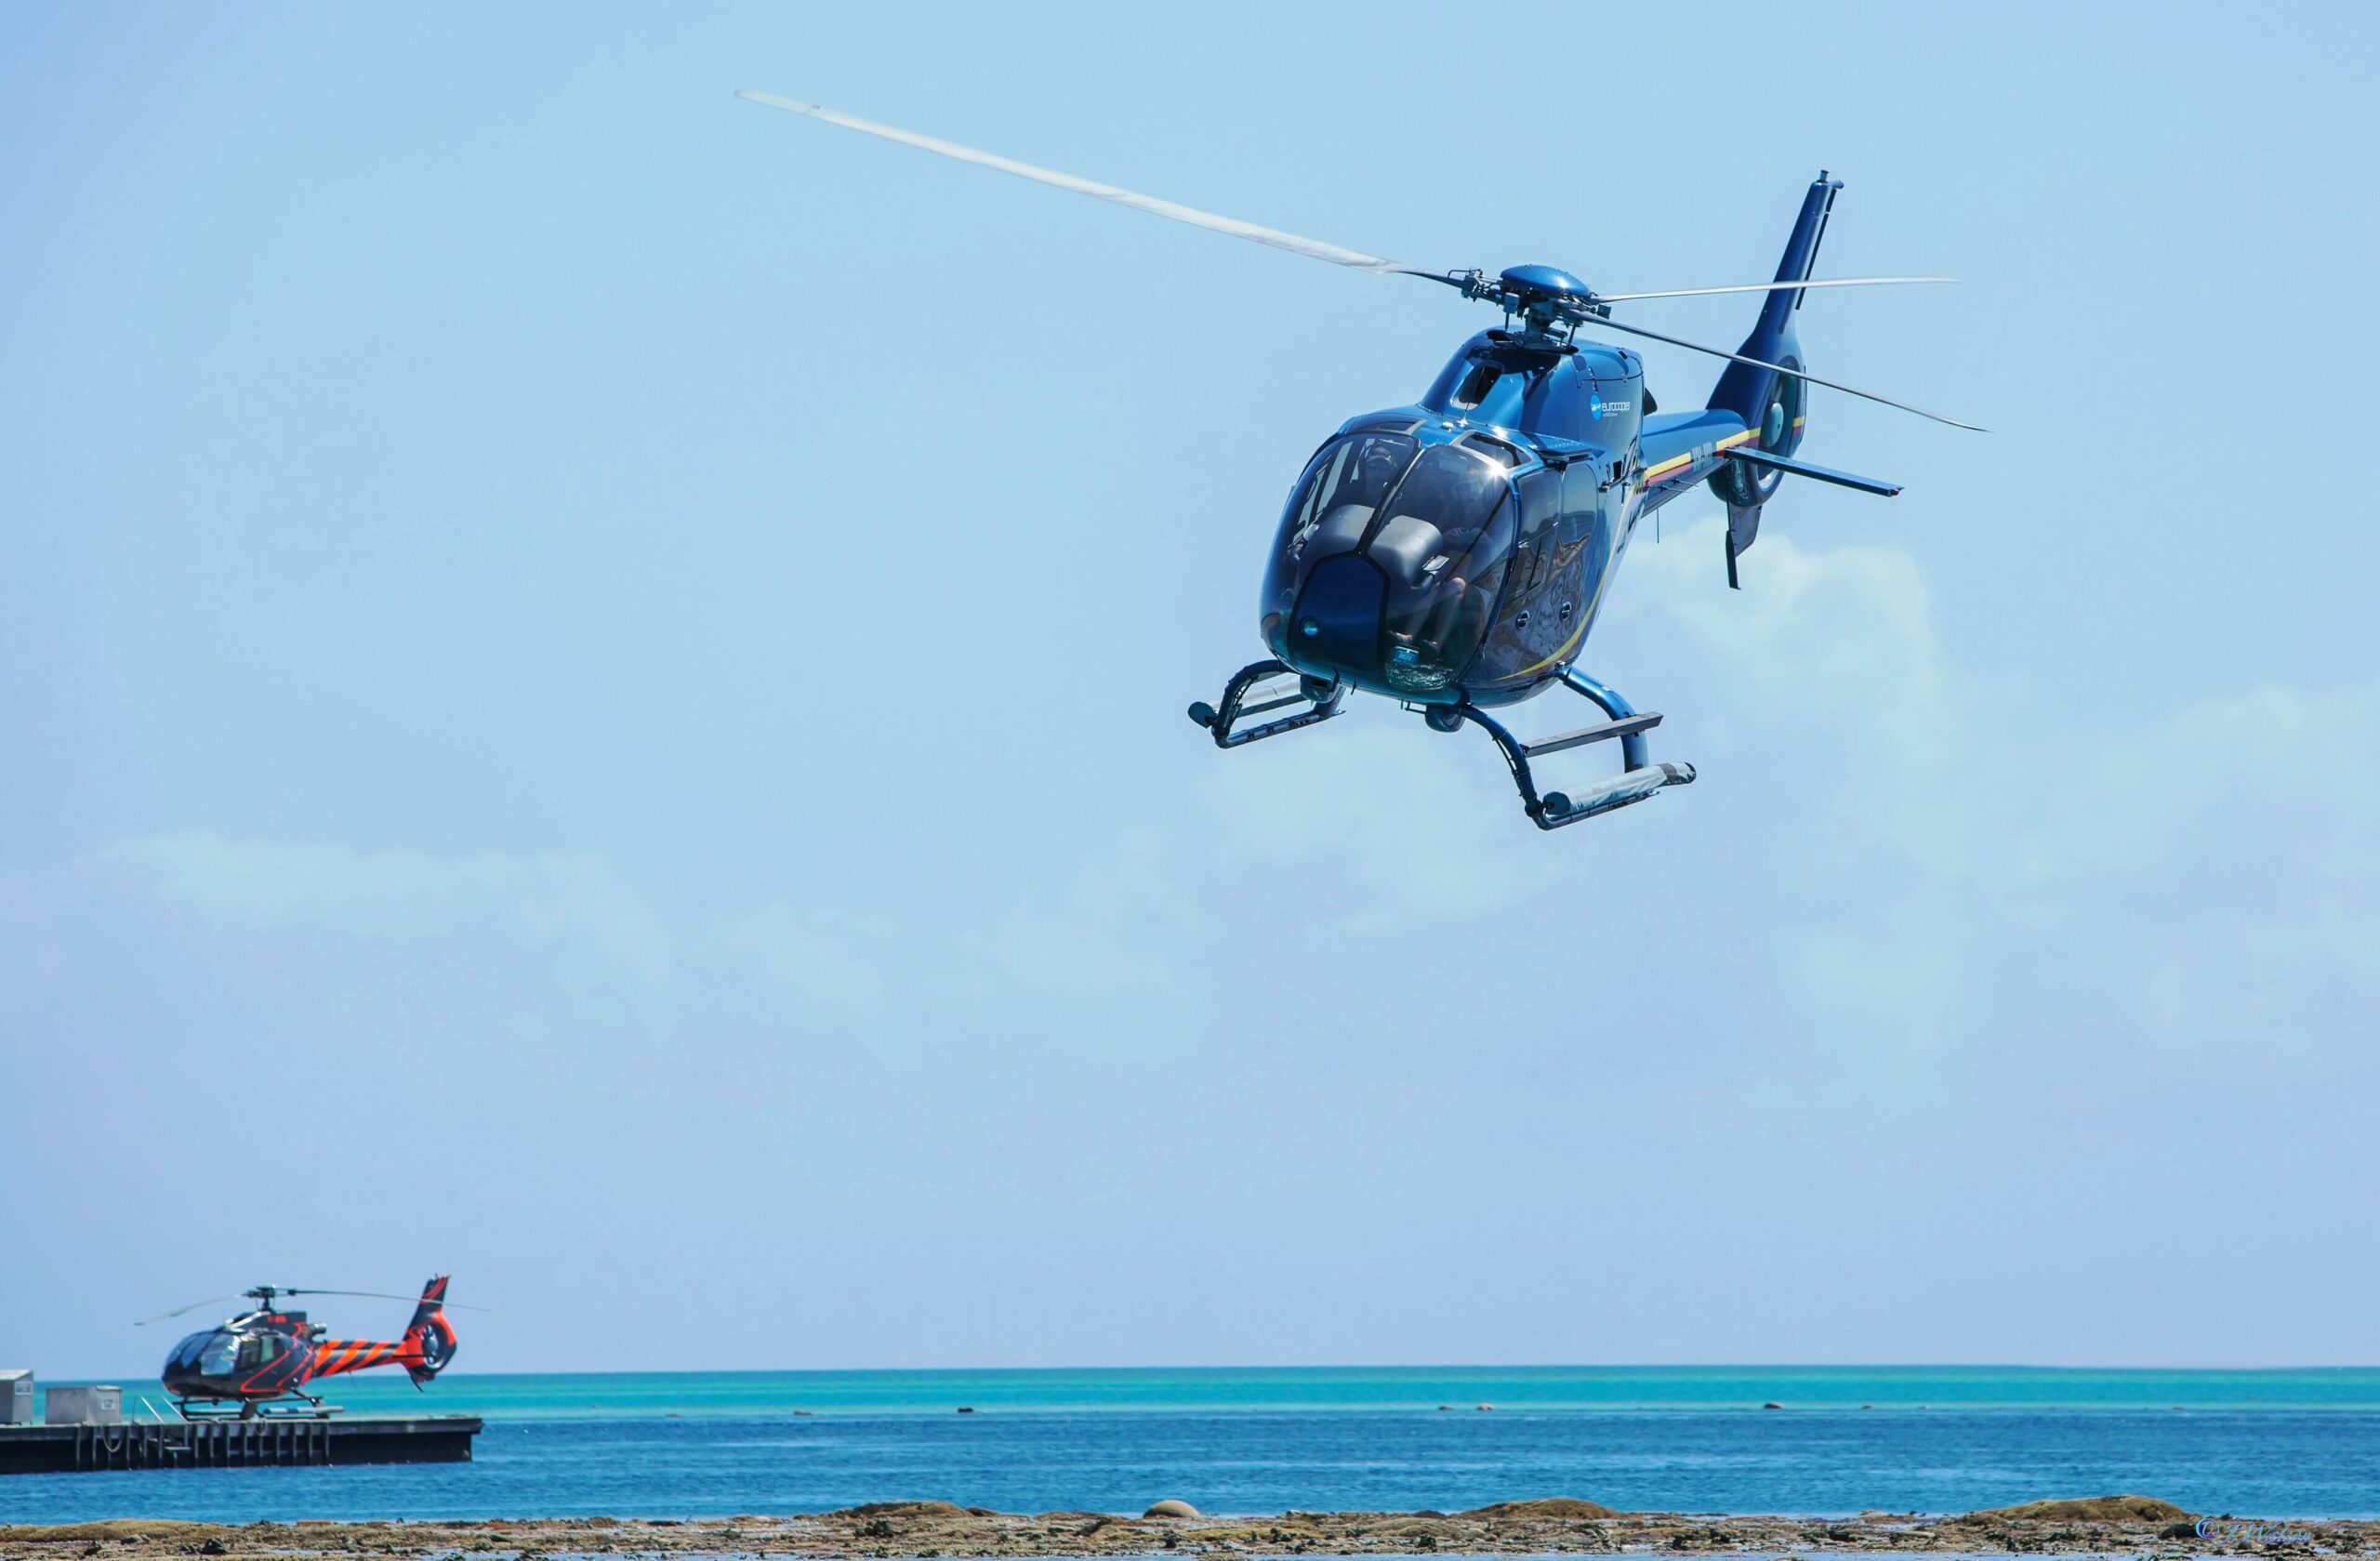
235, 1444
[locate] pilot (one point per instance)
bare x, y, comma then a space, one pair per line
1375, 470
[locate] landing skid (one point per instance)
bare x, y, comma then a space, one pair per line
297, 1406
1321, 701
1640, 778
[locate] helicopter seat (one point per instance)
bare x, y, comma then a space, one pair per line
1406, 547
1341, 531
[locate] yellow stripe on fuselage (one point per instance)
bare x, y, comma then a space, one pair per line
1678, 463
1652, 474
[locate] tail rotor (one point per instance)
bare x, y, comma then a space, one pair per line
429, 1338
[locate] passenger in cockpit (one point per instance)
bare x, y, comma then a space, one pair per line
1453, 617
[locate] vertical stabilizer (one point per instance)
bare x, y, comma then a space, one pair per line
1745, 390
429, 1338
1770, 404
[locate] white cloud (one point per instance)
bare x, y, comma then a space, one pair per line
2206, 880
1865, 970
1902, 875
2231, 855
816, 958
563, 901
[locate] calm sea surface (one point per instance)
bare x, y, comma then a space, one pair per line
2295, 1443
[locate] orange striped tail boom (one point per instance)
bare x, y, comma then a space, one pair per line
335, 1358
427, 1345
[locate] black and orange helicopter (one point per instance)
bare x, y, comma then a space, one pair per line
1451, 554
260, 1361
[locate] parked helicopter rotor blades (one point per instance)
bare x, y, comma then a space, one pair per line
291, 1290
210, 1301
382, 1295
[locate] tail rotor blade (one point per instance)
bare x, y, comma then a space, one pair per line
1313, 249
1772, 288
1601, 323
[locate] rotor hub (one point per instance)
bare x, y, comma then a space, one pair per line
1547, 300
1545, 280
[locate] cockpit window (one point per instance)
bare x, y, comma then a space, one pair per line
1444, 543
1333, 507
1452, 490
209, 1355
1356, 472
1435, 527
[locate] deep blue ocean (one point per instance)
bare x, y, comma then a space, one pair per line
1930, 1439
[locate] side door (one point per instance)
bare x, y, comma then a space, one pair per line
1518, 638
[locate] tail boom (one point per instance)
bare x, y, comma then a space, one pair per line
427, 1345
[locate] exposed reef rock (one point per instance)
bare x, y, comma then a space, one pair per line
1561, 1524
1544, 1506
2083, 1509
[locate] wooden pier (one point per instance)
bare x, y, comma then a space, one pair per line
236, 1443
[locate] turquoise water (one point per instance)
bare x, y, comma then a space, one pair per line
614, 1395
2280, 1444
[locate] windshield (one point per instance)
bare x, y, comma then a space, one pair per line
212, 1354
1333, 506
1442, 542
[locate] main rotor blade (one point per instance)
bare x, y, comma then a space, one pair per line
1313, 249
1772, 288
210, 1301
1757, 362
384, 1295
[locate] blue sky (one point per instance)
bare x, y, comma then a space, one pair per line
594, 674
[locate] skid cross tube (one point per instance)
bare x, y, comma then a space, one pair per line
1586, 734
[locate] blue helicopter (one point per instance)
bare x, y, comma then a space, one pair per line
1452, 554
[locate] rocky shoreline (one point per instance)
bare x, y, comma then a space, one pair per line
2108, 1525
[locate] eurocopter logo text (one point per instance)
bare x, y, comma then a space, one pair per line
1602, 408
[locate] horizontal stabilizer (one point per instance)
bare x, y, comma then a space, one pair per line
1768, 462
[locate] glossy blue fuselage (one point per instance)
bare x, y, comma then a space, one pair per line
1563, 432
1456, 551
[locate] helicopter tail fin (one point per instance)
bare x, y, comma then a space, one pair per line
427, 1345
1750, 393
429, 1338
1771, 405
